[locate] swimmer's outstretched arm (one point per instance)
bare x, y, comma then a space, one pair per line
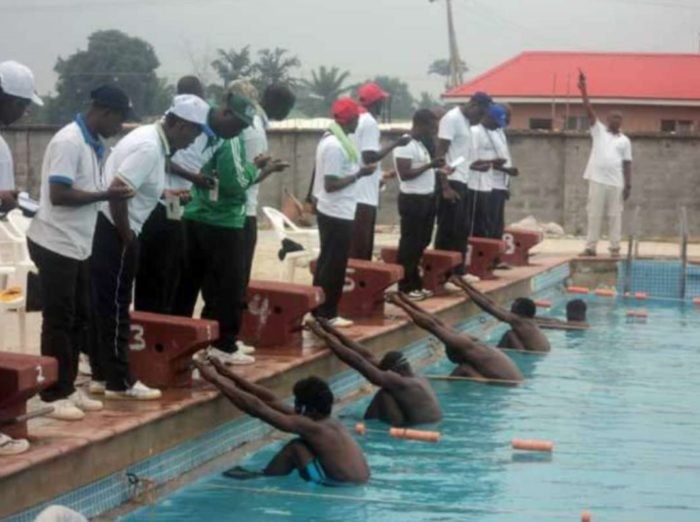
353, 359
253, 406
400, 300
347, 341
483, 302
260, 392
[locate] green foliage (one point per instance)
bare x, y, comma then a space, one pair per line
318, 94
427, 101
111, 57
232, 65
442, 68
402, 104
274, 66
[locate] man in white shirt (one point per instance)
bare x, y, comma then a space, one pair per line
417, 202
455, 145
60, 240
500, 180
337, 166
367, 136
137, 162
17, 93
487, 158
609, 175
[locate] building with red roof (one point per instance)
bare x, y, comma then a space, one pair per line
655, 92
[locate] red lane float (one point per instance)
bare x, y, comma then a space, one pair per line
419, 435
605, 292
578, 290
543, 303
533, 445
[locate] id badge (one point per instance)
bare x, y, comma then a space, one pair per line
173, 208
214, 191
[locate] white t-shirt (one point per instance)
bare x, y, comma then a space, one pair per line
192, 159
501, 180
255, 143
69, 160
419, 156
455, 127
367, 138
139, 161
484, 148
607, 155
332, 160
7, 167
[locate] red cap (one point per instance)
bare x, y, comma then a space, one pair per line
370, 93
345, 110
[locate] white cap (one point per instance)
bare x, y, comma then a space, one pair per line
190, 108
18, 80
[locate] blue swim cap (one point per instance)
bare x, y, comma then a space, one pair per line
498, 113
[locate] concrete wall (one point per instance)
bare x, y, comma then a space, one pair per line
666, 175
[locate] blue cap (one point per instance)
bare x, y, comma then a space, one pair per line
114, 98
482, 99
498, 113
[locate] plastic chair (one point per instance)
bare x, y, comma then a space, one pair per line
15, 265
19, 222
286, 229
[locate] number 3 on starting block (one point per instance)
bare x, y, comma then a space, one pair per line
138, 343
510, 243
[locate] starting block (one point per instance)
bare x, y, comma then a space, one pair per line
519, 242
21, 377
437, 266
276, 311
365, 284
162, 346
482, 255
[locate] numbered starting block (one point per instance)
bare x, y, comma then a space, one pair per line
482, 256
518, 245
276, 311
436, 266
162, 346
365, 284
21, 377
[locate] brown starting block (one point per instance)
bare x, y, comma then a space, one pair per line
21, 377
276, 311
482, 256
518, 245
365, 284
162, 346
437, 266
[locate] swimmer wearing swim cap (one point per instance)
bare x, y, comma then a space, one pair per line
404, 399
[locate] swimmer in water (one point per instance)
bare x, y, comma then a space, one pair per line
575, 318
524, 334
404, 399
324, 452
473, 357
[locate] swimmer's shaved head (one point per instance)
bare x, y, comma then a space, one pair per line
313, 398
524, 307
396, 362
576, 310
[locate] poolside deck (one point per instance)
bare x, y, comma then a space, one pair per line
66, 456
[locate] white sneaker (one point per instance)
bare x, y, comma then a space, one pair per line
451, 287
84, 402
415, 295
10, 446
427, 294
471, 279
84, 365
244, 348
137, 392
97, 387
340, 322
65, 410
233, 359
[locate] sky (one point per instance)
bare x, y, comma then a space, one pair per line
367, 37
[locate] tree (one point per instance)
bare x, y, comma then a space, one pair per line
442, 68
401, 105
232, 65
319, 93
274, 66
427, 101
111, 57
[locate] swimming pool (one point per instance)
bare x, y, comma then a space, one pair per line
619, 401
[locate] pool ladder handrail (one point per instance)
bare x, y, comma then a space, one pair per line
632, 249
684, 251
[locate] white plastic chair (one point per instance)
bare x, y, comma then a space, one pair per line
15, 265
286, 229
19, 222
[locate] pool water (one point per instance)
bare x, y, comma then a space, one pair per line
620, 402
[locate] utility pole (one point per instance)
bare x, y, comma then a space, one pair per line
456, 77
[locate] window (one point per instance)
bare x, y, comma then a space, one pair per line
678, 126
541, 123
577, 123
